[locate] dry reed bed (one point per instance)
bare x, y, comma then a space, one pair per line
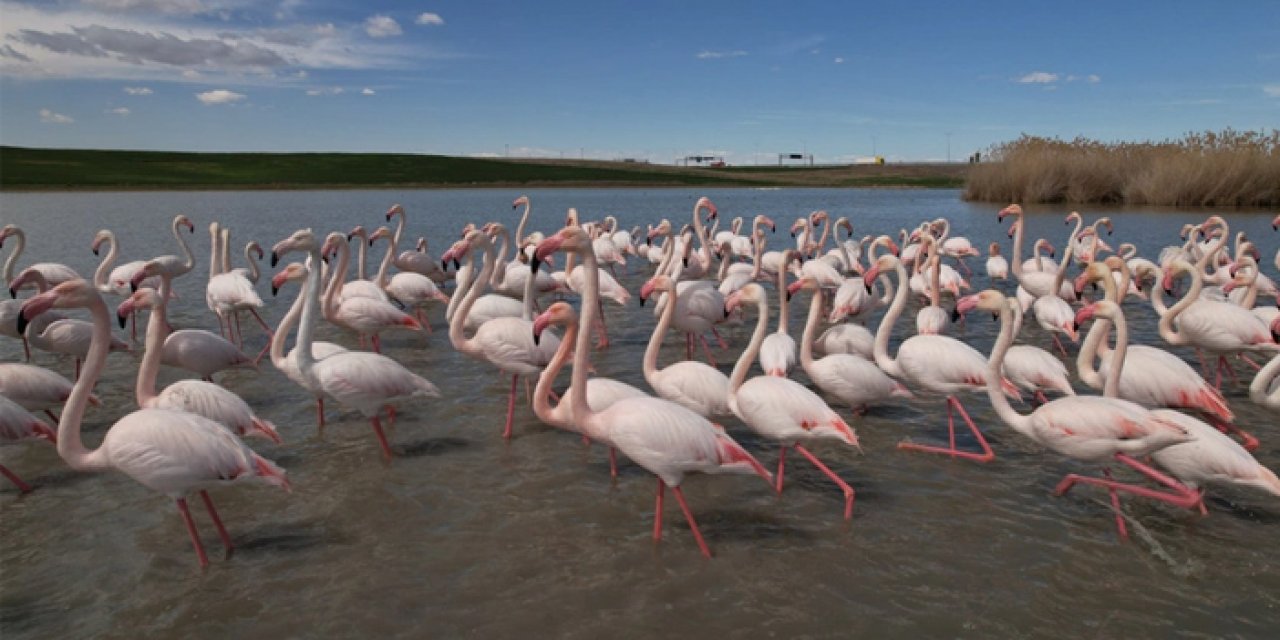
1228, 168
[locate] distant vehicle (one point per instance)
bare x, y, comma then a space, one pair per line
718, 164
869, 160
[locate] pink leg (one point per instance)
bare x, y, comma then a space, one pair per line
844, 486
133, 327
1040, 397
964, 266
1058, 343
782, 465
688, 515
265, 327
195, 535
1115, 507
26, 348
688, 346
1248, 441
1181, 495
217, 522
604, 329
77, 369
613, 463
377, 344
320, 414
13, 477
1231, 373
1249, 361
382, 438
222, 327
657, 512
511, 408
239, 331
707, 350
719, 338
987, 454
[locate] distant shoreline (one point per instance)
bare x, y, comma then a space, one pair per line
74, 170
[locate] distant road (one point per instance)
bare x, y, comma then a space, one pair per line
78, 169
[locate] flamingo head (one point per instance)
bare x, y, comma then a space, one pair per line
807, 283
331, 245
301, 240
963, 306
183, 221
99, 239
660, 283
883, 263
766, 220
752, 292
378, 234
30, 275
357, 232
1093, 273
1011, 210
1275, 223
844, 223
72, 294
141, 299
993, 249
8, 230
706, 203
522, 200
395, 210
570, 238
254, 247
797, 226
1101, 309
148, 270
292, 272
560, 314
460, 249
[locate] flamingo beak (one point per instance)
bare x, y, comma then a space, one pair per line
793, 288
35, 306
275, 258
870, 277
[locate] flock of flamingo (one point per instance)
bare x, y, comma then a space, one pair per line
1146, 408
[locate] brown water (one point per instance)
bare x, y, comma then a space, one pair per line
464, 534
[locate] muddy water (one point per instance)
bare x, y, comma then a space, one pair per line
467, 535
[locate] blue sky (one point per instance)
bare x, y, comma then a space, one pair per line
653, 80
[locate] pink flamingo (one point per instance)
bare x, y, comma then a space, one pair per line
419, 261
1264, 390
174, 265
54, 273
413, 290
693, 385
778, 351
1029, 368
1089, 428
939, 364
36, 388
55, 334
170, 452
116, 280
366, 316
601, 392
662, 437
997, 266
780, 408
192, 396
506, 343
231, 292
364, 381
288, 364
855, 381
17, 425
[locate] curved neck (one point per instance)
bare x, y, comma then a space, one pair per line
100, 275
946, 230
995, 374
215, 250
286, 325
782, 298
559, 415
1112, 387
188, 260
524, 220
69, 445
500, 275
399, 234
704, 251
881, 349
310, 307
581, 411
527, 311
810, 328
149, 369
935, 275
826, 231
224, 250
381, 280
1262, 382
252, 263
650, 363
336, 280
13, 257
474, 288
1166, 326
739, 375
1016, 263
360, 257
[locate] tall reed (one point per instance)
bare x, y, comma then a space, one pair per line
1228, 168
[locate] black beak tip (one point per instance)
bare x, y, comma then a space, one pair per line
685, 261
456, 264
13, 293
534, 264
133, 286
21, 323
275, 259
1075, 326
955, 315
95, 251
1168, 291
642, 299
124, 321
537, 338
274, 290
868, 286
727, 312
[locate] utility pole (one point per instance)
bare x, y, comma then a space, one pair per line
948, 147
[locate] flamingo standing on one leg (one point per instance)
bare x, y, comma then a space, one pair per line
171, 452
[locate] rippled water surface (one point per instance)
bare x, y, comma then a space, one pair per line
464, 534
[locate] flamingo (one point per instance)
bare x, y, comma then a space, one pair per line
366, 316
170, 452
997, 266
693, 385
419, 261
664, 438
116, 280
17, 425
55, 334
230, 292
192, 396
937, 363
1029, 368
1037, 283
1089, 428
1264, 390
36, 388
854, 380
412, 290
601, 392
364, 381
931, 319
288, 364
174, 265
782, 409
54, 273
778, 352
506, 343
958, 247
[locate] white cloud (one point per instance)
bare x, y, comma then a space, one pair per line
381, 26
47, 116
326, 91
1093, 78
712, 55
1272, 90
120, 111
219, 96
367, 91
429, 19
1039, 77
839, 60
138, 91
162, 6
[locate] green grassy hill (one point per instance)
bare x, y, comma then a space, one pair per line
54, 169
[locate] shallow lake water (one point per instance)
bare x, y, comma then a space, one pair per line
464, 534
